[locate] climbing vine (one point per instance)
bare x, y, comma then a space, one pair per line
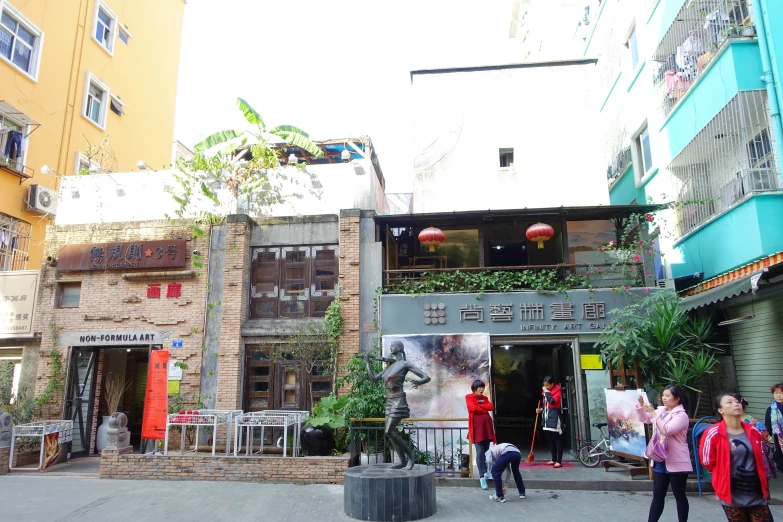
54, 383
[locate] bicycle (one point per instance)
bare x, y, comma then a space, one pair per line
590, 453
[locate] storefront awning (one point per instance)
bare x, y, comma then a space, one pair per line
726, 291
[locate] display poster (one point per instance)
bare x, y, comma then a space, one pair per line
57, 444
153, 423
453, 362
626, 431
591, 362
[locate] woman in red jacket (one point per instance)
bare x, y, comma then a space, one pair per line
552, 421
732, 451
480, 429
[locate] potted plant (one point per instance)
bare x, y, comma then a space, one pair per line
114, 389
748, 31
319, 428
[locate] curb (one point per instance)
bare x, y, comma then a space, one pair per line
577, 485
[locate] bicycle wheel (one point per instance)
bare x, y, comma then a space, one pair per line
589, 457
608, 453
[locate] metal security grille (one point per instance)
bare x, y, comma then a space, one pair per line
729, 159
14, 243
692, 41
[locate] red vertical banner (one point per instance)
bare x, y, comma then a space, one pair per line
153, 424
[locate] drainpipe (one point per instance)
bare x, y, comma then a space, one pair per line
762, 21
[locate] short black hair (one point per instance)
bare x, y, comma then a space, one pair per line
549, 380
478, 383
679, 394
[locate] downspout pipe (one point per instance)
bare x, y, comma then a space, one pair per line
762, 22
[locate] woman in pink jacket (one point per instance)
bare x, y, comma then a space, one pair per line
672, 420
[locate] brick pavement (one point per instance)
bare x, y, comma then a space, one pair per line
45, 499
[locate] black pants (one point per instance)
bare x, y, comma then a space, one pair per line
661, 483
556, 446
481, 451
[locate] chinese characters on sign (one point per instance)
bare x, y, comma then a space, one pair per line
122, 255
173, 290
17, 302
532, 315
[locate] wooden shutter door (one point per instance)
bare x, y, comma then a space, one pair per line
264, 283
295, 282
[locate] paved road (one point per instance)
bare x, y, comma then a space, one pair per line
61, 499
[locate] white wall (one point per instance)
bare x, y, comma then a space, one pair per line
462, 119
146, 199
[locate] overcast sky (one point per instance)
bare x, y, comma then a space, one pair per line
334, 68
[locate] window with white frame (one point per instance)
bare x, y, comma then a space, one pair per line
633, 48
124, 34
13, 143
96, 101
643, 151
20, 41
85, 165
105, 26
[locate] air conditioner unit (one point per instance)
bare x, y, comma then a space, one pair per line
665, 284
41, 199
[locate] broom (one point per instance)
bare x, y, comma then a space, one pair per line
531, 457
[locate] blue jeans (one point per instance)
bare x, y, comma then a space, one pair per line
513, 459
481, 456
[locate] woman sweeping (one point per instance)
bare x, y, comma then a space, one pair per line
732, 451
551, 423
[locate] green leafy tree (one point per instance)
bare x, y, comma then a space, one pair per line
669, 345
239, 170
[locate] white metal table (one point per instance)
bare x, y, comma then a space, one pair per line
40, 430
201, 419
268, 419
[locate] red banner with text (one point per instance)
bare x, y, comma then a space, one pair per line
153, 424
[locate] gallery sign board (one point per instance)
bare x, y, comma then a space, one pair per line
113, 338
169, 253
18, 290
513, 313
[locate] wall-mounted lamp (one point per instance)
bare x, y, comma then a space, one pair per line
292, 160
141, 165
345, 155
46, 169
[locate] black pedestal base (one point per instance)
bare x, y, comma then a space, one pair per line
380, 493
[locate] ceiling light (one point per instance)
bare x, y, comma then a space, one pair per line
345, 155
292, 159
141, 165
506, 346
46, 169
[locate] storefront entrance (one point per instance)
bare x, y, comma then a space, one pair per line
518, 370
84, 392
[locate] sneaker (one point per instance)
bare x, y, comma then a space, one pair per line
497, 499
522, 496
487, 475
483, 483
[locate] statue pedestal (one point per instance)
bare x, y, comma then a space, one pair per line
378, 492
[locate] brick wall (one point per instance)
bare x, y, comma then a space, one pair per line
236, 289
110, 303
5, 454
350, 245
299, 470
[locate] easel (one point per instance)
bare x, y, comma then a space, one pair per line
625, 375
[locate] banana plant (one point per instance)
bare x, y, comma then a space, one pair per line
234, 139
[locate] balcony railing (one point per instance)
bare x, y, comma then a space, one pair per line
14, 243
729, 159
459, 280
693, 40
621, 162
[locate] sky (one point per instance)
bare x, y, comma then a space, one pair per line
336, 68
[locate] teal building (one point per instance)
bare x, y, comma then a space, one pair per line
689, 102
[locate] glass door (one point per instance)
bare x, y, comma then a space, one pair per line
79, 402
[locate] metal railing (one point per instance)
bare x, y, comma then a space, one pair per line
618, 165
729, 159
14, 243
601, 275
692, 41
16, 166
444, 448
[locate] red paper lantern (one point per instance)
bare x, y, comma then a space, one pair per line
431, 236
539, 233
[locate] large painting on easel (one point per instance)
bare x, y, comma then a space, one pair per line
626, 431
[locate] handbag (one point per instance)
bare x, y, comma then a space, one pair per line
745, 481
657, 447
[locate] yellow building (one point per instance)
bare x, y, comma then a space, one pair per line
79, 76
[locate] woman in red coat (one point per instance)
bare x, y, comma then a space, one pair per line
732, 451
480, 429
